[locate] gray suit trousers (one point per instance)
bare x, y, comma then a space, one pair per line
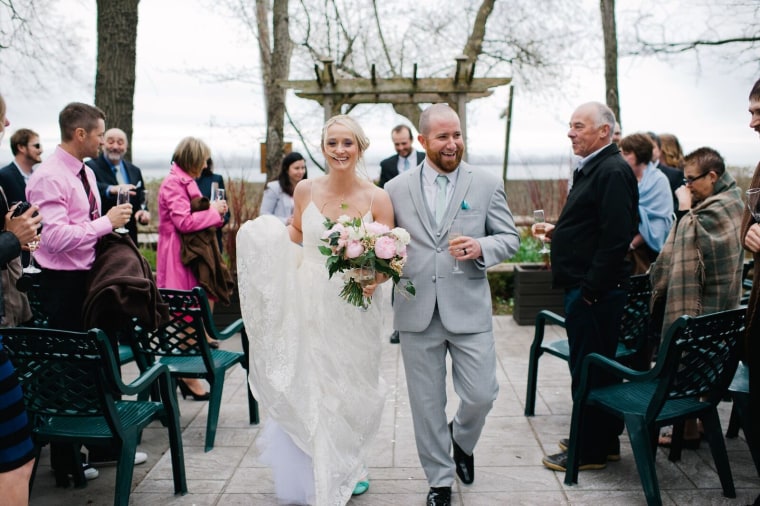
473, 367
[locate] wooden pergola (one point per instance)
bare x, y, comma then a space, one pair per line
333, 92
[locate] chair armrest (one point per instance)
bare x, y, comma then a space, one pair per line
611, 366
595, 360
229, 331
145, 380
545, 316
542, 318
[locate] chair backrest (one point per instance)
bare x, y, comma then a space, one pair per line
184, 334
39, 317
62, 373
635, 323
700, 357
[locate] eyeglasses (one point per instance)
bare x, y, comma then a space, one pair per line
38, 145
690, 180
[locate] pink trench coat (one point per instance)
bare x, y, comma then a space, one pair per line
175, 218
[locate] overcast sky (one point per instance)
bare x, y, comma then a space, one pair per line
706, 107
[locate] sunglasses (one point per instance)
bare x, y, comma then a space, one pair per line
38, 145
689, 180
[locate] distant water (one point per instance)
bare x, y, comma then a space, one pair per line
514, 171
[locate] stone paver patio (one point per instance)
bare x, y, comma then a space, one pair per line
508, 457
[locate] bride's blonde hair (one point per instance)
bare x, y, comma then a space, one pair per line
347, 121
361, 138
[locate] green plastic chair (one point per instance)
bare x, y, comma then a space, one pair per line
693, 371
181, 345
71, 383
635, 330
40, 319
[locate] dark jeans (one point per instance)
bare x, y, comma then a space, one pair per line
594, 329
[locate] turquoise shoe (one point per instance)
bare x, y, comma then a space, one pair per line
361, 487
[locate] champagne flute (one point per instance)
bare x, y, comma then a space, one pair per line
365, 277
144, 201
453, 234
753, 203
540, 228
31, 268
122, 198
214, 189
220, 194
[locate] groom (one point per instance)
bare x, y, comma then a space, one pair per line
451, 312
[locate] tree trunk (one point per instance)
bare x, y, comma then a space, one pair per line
115, 75
275, 64
610, 56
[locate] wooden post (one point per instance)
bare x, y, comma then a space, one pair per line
509, 129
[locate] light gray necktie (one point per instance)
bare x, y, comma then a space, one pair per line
117, 173
440, 197
406, 164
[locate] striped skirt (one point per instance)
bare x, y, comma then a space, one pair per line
16, 447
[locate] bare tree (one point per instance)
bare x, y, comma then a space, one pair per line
389, 37
115, 74
275, 52
36, 42
700, 27
610, 56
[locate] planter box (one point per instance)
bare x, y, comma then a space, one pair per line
534, 292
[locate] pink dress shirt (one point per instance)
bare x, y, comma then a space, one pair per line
175, 218
68, 235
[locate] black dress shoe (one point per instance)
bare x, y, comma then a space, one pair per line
394, 337
465, 464
439, 496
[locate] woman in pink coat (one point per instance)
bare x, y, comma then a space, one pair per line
175, 218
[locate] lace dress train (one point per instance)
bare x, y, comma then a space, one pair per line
314, 362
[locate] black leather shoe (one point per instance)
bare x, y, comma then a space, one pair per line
394, 337
465, 463
439, 496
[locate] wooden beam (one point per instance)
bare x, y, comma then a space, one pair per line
362, 86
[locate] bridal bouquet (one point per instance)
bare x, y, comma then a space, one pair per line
359, 250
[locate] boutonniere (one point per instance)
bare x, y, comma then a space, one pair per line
465, 205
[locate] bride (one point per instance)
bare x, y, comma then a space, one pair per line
314, 357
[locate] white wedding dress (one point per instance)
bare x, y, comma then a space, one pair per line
314, 364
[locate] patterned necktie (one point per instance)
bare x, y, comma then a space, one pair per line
94, 211
440, 197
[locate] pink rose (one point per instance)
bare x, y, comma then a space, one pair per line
376, 228
354, 249
385, 247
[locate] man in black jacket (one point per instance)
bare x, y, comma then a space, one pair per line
405, 158
112, 171
589, 244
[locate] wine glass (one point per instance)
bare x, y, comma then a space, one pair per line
540, 229
453, 234
214, 190
122, 198
365, 276
31, 268
753, 203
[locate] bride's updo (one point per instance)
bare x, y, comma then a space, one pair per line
347, 121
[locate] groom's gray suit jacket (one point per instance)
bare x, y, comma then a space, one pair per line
479, 208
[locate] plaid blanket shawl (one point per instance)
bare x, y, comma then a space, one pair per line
700, 267
752, 346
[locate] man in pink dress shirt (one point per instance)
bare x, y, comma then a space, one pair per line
66, 192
